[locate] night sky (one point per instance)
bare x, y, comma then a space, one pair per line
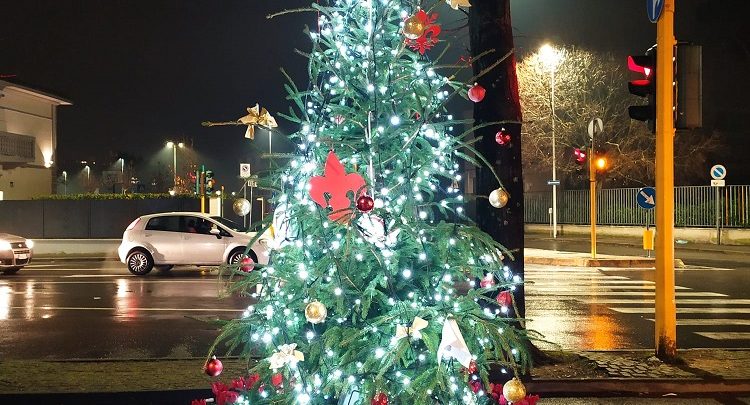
141, 72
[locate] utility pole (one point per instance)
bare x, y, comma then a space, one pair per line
665, 316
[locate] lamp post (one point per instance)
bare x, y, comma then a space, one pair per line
122, 174
551, 58
65, 182
262, 205
174, 147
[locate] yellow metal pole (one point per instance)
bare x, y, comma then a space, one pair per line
666, 318
592, 199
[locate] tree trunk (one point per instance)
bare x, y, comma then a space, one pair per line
490, 29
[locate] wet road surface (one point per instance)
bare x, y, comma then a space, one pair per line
610, 308
96, 309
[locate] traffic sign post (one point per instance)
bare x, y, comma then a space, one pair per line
646, 199
595, 127
718, 172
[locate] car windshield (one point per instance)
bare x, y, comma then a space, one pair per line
230, 224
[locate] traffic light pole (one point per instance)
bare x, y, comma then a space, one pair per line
665, 316
592, 198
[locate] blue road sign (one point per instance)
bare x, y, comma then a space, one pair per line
646, 197
718, 172
654, 9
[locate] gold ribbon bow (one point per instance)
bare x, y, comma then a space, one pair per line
257, 116
413, 330
455, 4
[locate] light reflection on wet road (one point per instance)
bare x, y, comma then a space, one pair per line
98, 310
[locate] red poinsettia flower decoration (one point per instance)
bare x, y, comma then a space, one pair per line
198, 402
429, 37
496, 393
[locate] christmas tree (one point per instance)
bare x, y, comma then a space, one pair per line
380, 289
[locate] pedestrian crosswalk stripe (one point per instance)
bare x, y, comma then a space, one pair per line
595, 283
706, 301
712, 322
533, 294
725, 335
722, 310
532, 288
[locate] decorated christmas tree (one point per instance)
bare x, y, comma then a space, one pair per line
380, 289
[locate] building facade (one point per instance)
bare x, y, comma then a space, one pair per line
28, 141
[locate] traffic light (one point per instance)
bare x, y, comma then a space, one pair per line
644, 86
601, 163
688, 78
580, 156
210, 181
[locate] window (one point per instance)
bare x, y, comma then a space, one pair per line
166, 223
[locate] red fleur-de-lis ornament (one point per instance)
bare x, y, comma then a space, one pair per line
331, 190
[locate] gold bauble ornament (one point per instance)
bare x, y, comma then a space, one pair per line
514, 391
414, 27
316, 312
498, 198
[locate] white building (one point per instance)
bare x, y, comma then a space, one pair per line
28, 140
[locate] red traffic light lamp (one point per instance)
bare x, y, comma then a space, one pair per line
644, 86
580, 156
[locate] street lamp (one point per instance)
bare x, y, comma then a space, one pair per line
65, 182
262, 205
122, 173
174, 147
551, 59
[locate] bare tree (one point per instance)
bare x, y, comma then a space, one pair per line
589, 85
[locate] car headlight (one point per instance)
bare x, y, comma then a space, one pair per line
4, 245
29, 243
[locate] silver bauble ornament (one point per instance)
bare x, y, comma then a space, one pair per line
241, 207
499, 198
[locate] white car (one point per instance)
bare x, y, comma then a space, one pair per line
186, 238
15, 252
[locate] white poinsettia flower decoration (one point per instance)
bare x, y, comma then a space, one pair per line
286, 355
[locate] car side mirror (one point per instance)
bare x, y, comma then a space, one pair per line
215, 231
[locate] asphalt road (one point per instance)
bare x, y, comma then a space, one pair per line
608, 308
96, 309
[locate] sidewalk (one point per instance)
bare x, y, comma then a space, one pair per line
167, 381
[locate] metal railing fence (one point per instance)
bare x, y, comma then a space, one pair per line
695, 206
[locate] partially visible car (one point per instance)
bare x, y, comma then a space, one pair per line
15, 252
168, 239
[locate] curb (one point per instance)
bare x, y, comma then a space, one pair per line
176, 397
629, 387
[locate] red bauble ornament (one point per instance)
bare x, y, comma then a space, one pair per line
471, 369
365, 203
247, 264
504, 298
476, 385
502, 138
277, 380
487, 281
379, 399
476, 93
417, 116
213, 367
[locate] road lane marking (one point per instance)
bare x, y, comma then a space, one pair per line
129, 309
685, 310
707, 301
712, 322
538, 295
725, 335
133, 280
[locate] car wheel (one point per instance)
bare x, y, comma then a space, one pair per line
165, 268
238, 254
11, 270
139, 262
